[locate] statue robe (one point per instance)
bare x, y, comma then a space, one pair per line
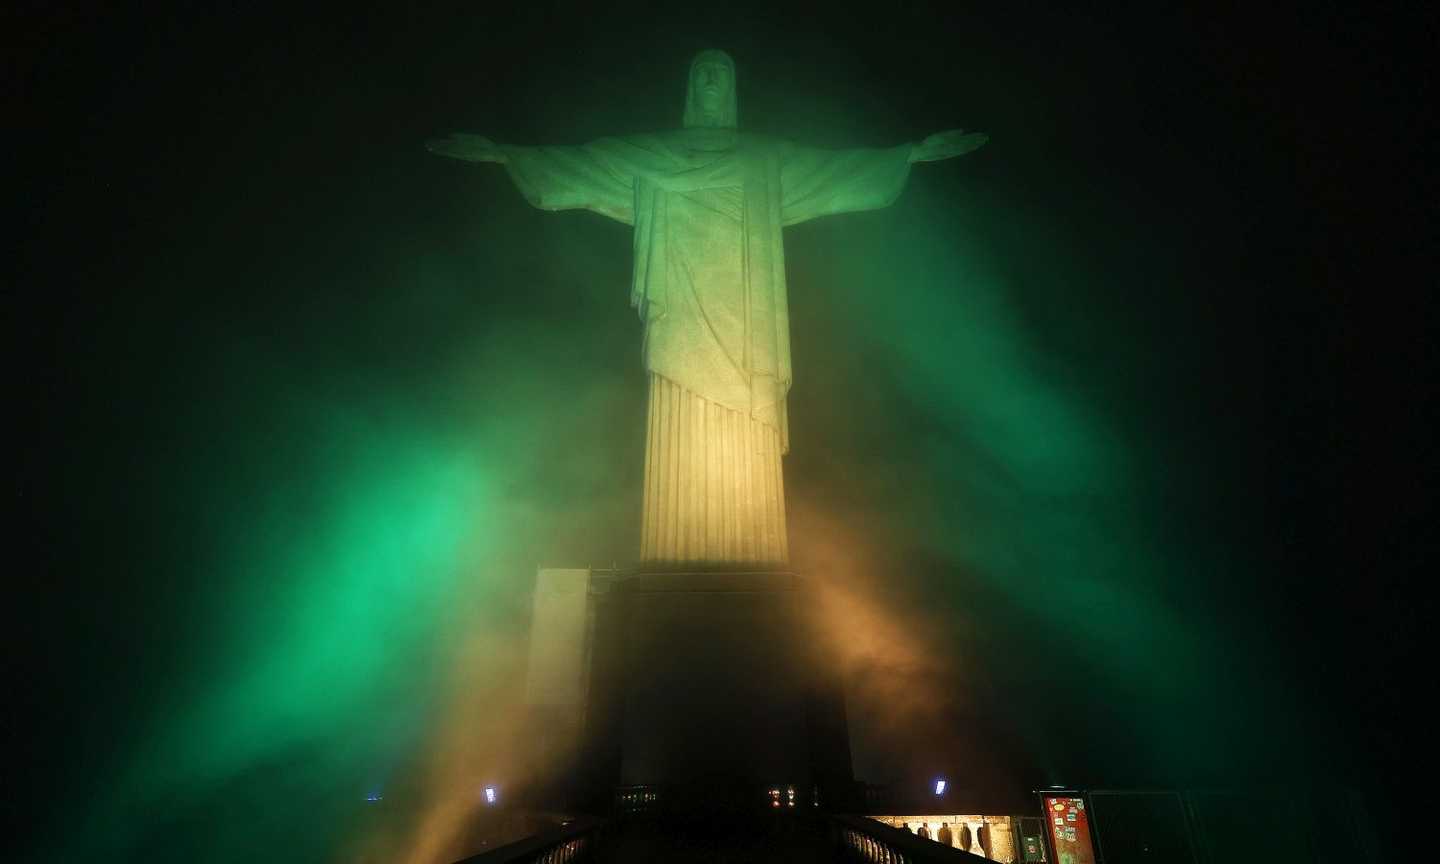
708, 206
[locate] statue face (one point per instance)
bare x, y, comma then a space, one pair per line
712, 85
710, 91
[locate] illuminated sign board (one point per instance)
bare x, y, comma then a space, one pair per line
1069, 830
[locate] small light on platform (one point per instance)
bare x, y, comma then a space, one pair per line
939, 787
491, 795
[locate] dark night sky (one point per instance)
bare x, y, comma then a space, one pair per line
1212, 222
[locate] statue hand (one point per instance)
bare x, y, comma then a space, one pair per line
466, 147
947, 144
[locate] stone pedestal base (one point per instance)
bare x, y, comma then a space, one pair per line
707, 690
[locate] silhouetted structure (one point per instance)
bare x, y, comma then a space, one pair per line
698, 691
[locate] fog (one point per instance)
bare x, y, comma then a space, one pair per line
317, 404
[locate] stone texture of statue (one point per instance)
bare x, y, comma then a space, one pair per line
708, 203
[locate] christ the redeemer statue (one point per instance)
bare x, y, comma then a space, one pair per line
707, 203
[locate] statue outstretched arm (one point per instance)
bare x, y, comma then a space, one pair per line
947, 145
581, 177
816, 182
466, 147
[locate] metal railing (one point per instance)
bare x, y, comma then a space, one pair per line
866, 840
853, 839
576, 841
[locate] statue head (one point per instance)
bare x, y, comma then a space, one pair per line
710, 92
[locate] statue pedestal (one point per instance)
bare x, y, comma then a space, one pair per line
707, 690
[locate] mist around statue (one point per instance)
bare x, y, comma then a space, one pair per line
311, 405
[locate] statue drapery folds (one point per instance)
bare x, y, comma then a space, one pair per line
709, 278
707, 204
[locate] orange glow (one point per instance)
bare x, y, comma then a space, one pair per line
892, 644
483, 735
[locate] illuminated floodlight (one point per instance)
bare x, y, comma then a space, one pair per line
939, 787
491, 795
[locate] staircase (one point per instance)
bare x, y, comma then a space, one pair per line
786, 838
